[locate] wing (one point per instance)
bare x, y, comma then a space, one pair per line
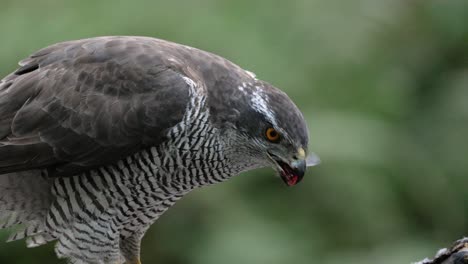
81, 104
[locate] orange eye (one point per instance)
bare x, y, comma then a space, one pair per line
272, 135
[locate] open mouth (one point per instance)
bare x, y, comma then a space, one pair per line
289, 175
292, 173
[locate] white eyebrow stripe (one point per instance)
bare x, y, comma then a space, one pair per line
260, 104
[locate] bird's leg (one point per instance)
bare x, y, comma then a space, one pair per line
130, 248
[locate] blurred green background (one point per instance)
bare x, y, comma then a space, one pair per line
384, 87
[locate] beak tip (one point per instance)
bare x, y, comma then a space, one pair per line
299, 167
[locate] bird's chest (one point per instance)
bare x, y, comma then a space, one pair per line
158, 177
191, 162
193, 156
132, 193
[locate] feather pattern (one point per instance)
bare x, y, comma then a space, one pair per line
76, 105
99, 137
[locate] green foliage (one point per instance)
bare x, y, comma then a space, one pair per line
383, 84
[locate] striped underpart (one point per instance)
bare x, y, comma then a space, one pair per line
100, 216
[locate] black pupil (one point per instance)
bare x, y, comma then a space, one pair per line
273, 134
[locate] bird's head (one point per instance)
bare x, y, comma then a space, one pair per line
269, 129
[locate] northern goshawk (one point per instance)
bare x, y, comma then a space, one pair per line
100, 136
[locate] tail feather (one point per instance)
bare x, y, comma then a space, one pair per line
12, 218
39, 240
31, 229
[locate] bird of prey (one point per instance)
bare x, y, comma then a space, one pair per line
100, 136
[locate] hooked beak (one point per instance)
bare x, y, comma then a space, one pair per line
292, 173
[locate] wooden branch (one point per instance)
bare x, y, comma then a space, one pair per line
457, 254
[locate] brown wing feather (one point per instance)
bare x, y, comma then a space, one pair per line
81, 104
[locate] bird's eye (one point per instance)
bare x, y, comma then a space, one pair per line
272, 135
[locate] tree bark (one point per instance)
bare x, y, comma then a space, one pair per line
457, 254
